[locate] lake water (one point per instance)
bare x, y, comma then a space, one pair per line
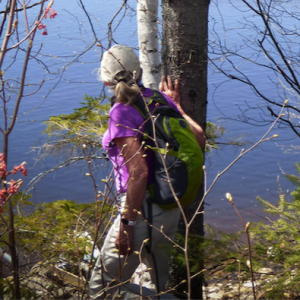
69, 33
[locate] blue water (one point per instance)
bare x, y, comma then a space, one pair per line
69, 33
259, 173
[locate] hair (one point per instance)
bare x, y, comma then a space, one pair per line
126, 90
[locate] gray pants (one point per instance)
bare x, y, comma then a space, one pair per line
111, 269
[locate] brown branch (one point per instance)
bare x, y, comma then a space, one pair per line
90, 21
77, 248
25, 65
40, 86
20, 9
283, 120
4, 20
8, 31
111, 21
275, 42
252, 85
263, 139
38, 53
25, 16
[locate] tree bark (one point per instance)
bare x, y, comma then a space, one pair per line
148, 42
184, 56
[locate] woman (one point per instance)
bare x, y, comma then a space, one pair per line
133, 172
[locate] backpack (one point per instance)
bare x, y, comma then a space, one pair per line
180, 150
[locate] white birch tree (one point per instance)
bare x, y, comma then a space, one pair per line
148, 42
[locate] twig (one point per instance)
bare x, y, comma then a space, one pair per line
111, 21
77, 249
243, 152
250, 258
20, 9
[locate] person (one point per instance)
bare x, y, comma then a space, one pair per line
133, 169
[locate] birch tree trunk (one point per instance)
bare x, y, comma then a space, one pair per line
148, 42
184, 56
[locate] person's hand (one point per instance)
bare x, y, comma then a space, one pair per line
124, 239
166, 86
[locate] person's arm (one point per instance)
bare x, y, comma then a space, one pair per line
136, 188
173, 92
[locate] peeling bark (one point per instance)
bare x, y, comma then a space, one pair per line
148, 42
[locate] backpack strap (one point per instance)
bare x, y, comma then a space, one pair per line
157, 97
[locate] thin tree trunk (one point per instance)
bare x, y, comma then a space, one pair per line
184, 56
8, 129
148, 42
12, 246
